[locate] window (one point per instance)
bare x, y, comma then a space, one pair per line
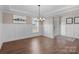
35, 25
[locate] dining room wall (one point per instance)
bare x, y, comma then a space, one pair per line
13, 31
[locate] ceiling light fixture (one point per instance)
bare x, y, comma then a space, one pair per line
40, 19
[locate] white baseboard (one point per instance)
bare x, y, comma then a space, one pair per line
20, 38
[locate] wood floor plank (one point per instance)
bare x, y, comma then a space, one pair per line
41, 45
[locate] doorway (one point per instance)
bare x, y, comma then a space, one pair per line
56, 26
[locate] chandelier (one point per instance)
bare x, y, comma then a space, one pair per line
40, 19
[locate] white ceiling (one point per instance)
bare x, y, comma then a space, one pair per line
45, 10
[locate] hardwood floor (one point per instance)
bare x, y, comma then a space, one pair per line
41, 45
